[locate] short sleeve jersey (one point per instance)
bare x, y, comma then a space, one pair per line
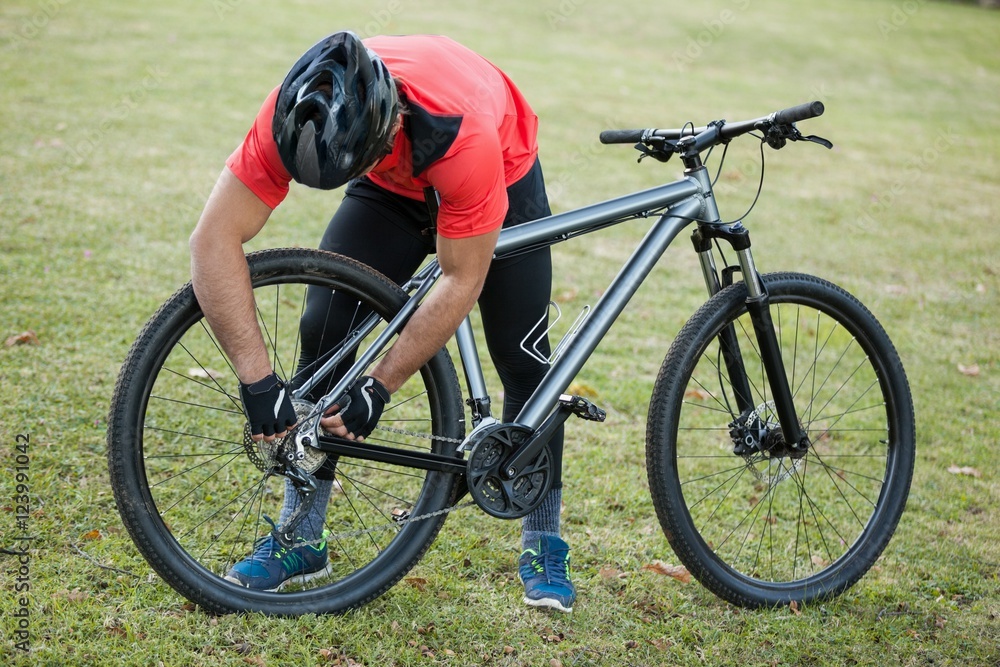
467, 132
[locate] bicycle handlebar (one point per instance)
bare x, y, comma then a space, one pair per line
800, 112
725, 132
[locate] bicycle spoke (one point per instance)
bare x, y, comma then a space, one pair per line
764, 514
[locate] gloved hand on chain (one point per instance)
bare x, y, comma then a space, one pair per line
359, 410
268, 407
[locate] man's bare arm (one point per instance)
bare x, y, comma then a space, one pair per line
233, 215
464, 264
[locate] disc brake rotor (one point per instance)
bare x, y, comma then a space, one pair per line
270, 455
771, 464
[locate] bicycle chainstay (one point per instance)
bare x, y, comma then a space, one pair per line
574, 404
403, 521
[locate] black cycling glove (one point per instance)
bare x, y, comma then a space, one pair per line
363, 406
267, 406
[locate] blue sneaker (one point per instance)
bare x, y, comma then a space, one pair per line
545, 574
271, 565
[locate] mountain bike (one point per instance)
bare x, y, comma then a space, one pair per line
779, 441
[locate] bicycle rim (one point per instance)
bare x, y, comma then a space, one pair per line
189, 490
768, 527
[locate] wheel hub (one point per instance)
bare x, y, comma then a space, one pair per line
272, 456
758, 431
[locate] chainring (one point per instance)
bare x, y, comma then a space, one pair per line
268, 456
493, 492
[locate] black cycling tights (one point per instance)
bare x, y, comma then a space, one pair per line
389, 232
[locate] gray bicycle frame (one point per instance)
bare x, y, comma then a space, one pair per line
678, 204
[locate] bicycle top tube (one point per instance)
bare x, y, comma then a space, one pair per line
562, 226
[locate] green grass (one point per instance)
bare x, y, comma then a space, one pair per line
118, 117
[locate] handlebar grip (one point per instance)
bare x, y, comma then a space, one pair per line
800, 112
621, 136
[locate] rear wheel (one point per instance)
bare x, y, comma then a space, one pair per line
194, 496
756, 522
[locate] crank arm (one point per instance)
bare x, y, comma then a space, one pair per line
530, 448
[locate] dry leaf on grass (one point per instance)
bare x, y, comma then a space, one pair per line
75, 595
582, 389
965, 470
794, 606
972, 370
23, 338
92, 535
678, 572
417, 582
697, 394
204, 373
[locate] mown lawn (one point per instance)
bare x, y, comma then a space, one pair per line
117, 118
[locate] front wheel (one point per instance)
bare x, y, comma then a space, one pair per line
195, 495
756, 522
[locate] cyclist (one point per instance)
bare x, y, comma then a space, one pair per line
404, 122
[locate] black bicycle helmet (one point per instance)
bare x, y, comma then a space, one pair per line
335, 112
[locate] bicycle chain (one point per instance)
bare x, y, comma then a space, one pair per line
413, 434
367, 531
394, 524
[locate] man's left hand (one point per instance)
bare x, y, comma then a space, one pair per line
358, 412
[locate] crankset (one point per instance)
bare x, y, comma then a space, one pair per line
274, 456
490, 487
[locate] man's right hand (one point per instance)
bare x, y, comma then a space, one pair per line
268, 408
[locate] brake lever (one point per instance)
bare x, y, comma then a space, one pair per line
816, 140
777, 135
663, 152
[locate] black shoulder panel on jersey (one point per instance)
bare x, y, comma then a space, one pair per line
431, 136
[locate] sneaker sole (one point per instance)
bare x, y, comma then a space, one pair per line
326, 570
548, 603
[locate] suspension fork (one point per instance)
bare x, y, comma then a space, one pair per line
728, 343
758, 307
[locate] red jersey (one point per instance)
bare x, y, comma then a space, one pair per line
467, 132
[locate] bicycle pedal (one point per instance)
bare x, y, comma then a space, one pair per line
583, 408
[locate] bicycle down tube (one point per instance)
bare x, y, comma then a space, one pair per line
687, 207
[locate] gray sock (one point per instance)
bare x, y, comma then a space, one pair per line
311, 527
544, 520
